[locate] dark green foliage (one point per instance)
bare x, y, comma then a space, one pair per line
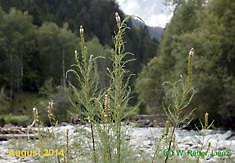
16, 43
143, 108
92, 14
96, 49
56, 46
4, 102
209, 28
2, 122
155, 32
38, 39
149, 85
17, 120
61, 106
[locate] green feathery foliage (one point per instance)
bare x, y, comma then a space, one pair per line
181, 98
116, 100
86, 75
203, 131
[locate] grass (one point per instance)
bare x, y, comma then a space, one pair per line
19, 120
23, 102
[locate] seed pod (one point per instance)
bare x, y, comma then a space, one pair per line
51, 104
208, 147
191, 52
81, 30
35, 112
206, 119
118, 19
190, 66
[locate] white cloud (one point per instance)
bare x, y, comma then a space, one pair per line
130, 7
149, 10
120, 2
158, 20
153, 12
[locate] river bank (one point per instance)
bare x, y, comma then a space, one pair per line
139, 138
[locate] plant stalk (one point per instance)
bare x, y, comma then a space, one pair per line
93, 140
170, 141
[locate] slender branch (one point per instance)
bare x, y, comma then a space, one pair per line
170, 141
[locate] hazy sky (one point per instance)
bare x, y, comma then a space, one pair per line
153, 12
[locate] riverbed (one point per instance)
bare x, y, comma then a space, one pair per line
222, 142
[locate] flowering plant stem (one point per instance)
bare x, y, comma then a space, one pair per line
180, 100
120, 90
204, 128
116, 100
87, 80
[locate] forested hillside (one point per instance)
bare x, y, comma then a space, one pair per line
208, 27
38, 39
155, 32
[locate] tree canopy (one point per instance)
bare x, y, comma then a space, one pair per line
208, 27
38, 39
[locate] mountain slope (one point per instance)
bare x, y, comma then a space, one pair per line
155, 32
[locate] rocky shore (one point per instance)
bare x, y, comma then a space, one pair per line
140, 137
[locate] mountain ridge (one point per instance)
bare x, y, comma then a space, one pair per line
155, 32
